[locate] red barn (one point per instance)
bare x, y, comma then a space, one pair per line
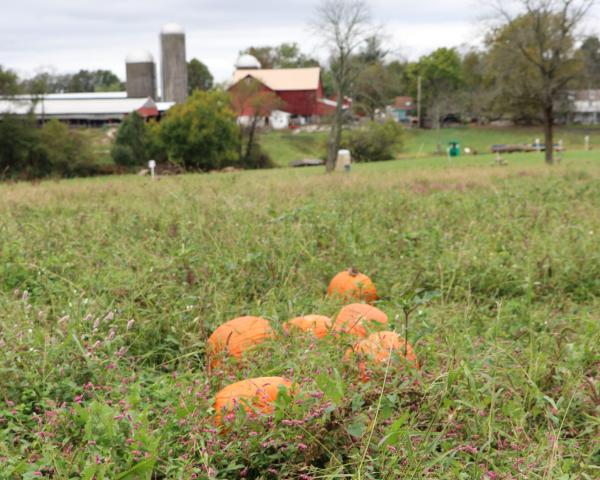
300, 89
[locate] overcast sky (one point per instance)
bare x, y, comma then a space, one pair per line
68, 35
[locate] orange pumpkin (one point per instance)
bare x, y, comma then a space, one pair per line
237, 336
352, 284
378, 347
357, 318
256, 394
319, 325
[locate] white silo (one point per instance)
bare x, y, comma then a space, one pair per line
141, 74
173, 63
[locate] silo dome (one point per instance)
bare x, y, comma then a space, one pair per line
139, 56
172, 29
247, 62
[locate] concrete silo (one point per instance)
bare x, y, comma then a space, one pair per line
173, 63
141, 74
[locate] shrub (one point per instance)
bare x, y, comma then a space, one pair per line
131, 145
67, 152
374, 141
20, 152
201, 133
155, 147
257, 158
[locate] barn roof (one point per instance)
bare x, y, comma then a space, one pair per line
284, 79
80, 108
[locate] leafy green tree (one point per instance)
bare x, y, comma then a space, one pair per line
373, 89
131, 144
441, 74
46, 82
9, 82
535, 55
286, 55
199, 77
202, 133
481, 99
590, 55
399, 78
373, 51
68, 153
94, 81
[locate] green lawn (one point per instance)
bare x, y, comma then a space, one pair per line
110, 287
285, 147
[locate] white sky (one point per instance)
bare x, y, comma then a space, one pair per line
68, 35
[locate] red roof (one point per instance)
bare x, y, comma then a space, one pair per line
404, 103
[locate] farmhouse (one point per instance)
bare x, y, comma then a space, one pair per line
585, 106
402, 109
300, 91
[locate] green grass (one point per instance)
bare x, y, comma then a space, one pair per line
482, 138
285, 147
101, 143
109, 288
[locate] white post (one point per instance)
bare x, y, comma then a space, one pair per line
344, 161
152, 166
587, 143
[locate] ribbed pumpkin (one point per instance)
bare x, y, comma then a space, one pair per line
358, 318
352, 284
236, 337
377, 349
255, 394
319, 325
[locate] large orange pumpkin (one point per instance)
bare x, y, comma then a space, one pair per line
378, 347
236, 337
319, 325
253, 395
357, 318
352, 284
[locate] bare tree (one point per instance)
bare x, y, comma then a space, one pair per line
541, 35
343, 25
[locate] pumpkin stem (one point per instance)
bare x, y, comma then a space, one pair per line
353, 272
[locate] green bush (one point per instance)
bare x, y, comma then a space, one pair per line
66, 151
21, 155
258, 158
202, 133
132, 142
374, 141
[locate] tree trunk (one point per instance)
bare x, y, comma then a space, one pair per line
335, 135
549, 133
250, 139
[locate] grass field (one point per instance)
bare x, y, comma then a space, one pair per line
109, 288
285, 147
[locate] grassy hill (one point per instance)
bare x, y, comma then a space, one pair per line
110, 287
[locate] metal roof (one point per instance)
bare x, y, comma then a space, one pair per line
73, 96
75, 109
284, 79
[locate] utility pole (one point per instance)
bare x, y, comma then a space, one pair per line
419, 101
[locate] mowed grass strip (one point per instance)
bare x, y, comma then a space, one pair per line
109, 288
